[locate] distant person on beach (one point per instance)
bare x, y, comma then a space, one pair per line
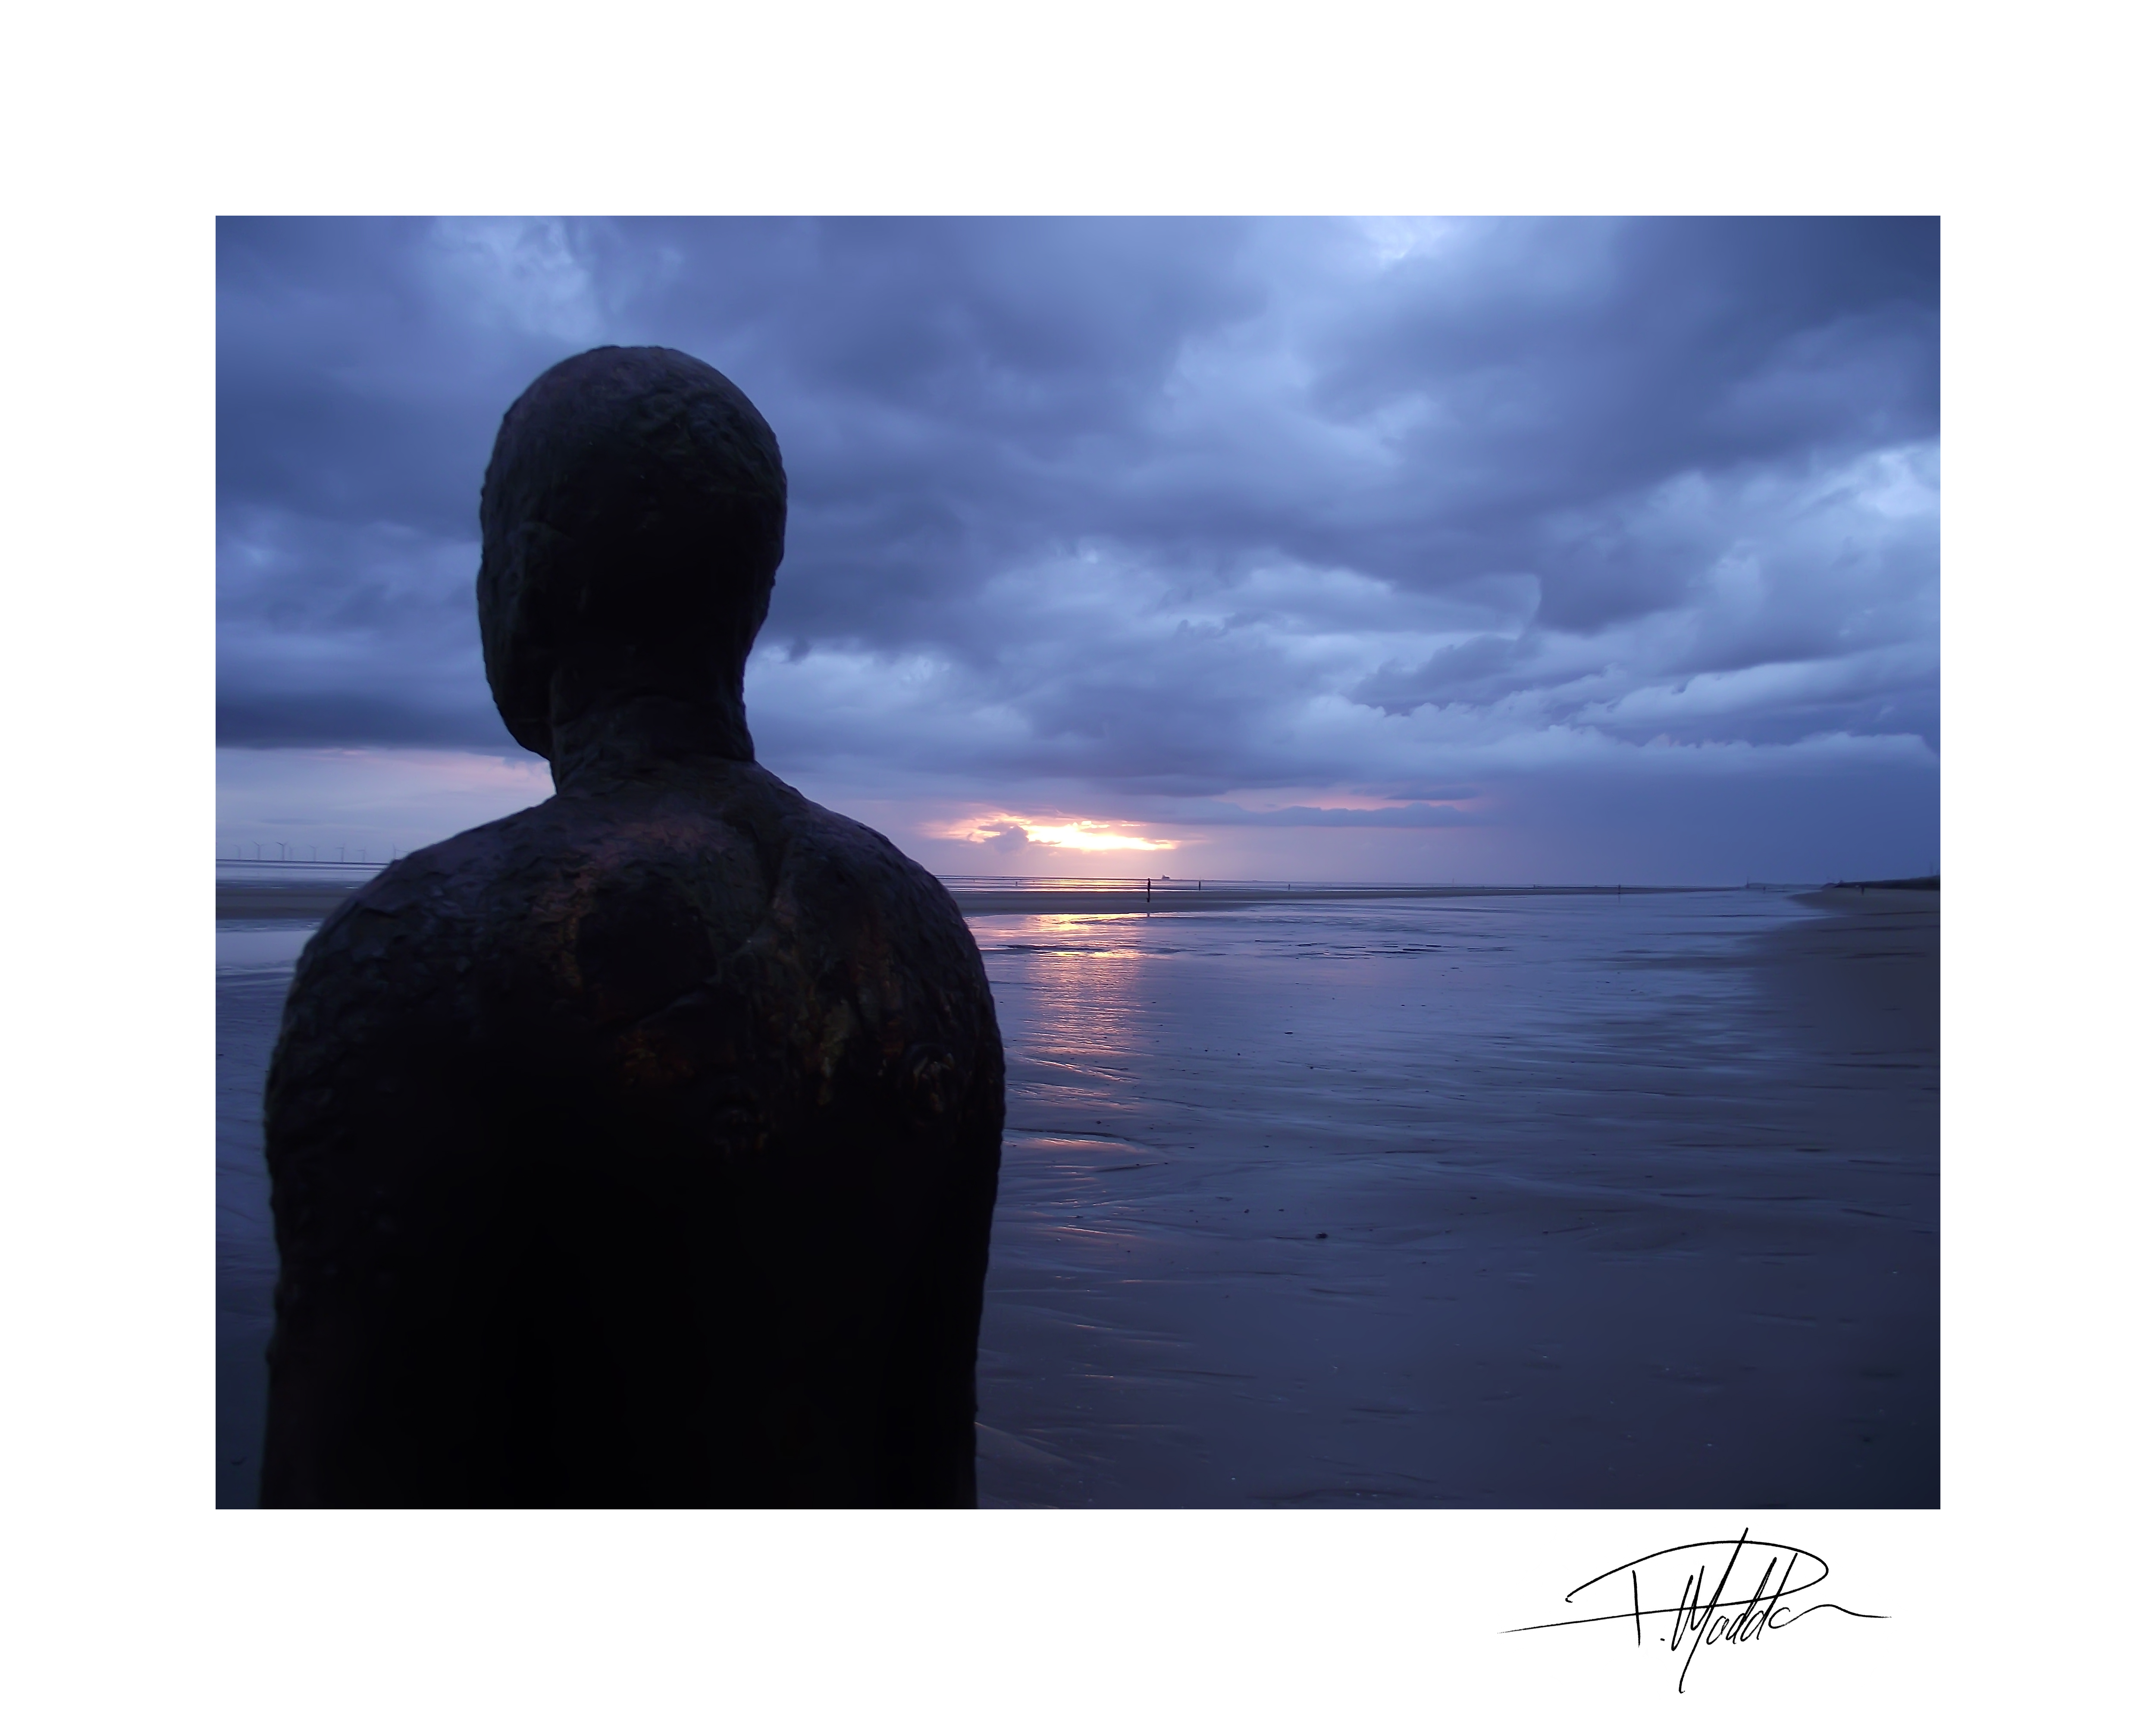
640, 1148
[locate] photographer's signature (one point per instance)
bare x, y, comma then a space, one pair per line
1752, 1582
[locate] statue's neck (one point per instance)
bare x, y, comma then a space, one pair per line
643, 736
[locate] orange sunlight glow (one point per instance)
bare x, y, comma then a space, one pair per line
1068, 835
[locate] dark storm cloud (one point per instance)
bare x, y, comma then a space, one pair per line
1148, 509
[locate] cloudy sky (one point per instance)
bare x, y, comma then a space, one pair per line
1379, 550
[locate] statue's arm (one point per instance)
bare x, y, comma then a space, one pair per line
377, 1157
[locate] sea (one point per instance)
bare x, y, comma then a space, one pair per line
1538, 1200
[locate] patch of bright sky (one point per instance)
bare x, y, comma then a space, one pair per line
525, 271
1393, 238
1061, 834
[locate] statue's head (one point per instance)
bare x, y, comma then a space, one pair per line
633, 518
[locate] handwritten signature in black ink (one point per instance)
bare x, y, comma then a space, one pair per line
1724, 1615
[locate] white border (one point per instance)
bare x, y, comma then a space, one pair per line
129, 130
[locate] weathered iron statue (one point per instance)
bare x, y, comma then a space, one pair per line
640, 1148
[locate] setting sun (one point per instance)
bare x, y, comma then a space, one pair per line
1068, 835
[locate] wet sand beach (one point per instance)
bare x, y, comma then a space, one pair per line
1545, 1199
1515, 1202
254, 900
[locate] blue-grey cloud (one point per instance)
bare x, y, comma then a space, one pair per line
1136, 513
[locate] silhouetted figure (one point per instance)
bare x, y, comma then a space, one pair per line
640, 1148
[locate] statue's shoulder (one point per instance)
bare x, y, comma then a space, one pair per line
839, 869
584, 909
436, 902
404, 947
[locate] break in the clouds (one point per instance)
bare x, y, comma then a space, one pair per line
1566, 549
